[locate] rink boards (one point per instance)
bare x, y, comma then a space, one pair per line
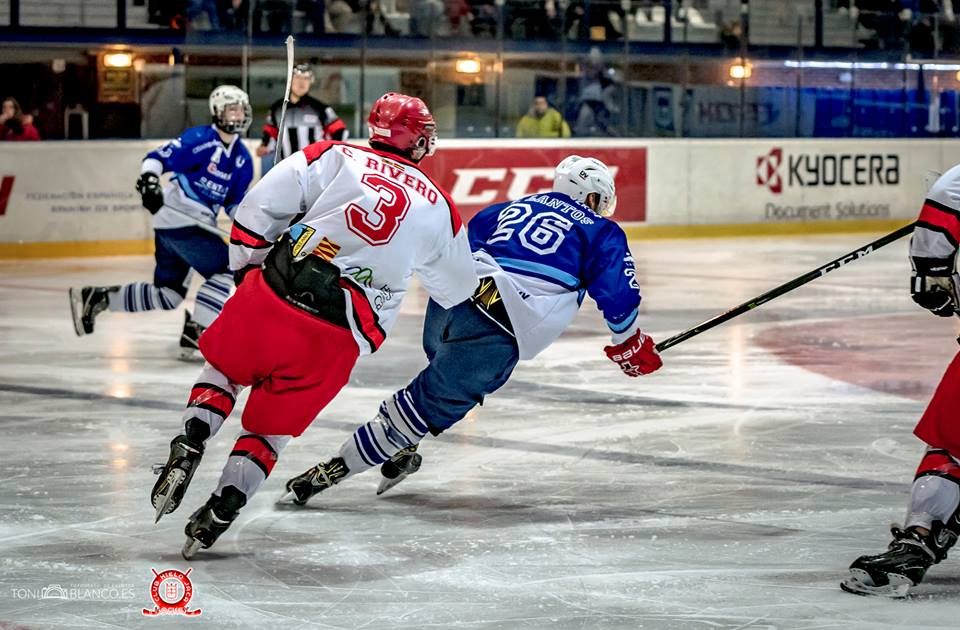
78, 198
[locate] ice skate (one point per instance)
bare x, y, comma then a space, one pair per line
399, 467
902, 566
190, 338
175, 475
212, 519
315, 480
85, 304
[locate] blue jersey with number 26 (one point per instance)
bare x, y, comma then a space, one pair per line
550, 238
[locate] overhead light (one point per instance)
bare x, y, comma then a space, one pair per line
468, 66
118, 60
741, 71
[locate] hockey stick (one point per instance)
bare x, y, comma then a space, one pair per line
786, 287
196, 223
286, 100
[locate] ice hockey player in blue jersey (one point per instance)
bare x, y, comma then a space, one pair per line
210, 170
536, 257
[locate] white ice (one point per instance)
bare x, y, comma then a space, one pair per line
729, 490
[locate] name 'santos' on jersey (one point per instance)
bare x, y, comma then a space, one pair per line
374, 215
545, 252
307, 121
207, 175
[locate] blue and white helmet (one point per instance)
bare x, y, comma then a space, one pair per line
221, 98
578, 176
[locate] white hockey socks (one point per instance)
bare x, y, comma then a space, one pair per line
211, 297
211, 401
143, 296
250, 462
397, 426
935, 495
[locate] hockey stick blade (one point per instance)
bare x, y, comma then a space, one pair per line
786, 287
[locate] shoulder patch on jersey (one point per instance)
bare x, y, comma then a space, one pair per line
300, 234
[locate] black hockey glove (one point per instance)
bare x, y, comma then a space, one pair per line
934, 285
150, 192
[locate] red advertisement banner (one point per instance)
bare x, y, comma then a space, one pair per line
476, 177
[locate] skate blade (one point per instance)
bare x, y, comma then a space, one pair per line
386, 484
174, 479
860, 583
76, 311
190, 548
189, 355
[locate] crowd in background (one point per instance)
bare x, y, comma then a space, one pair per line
15, 125
887, 23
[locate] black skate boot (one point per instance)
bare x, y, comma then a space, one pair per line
86, 303
211, 520
892, 573
175, 476
190, 337
399, 467
316, 480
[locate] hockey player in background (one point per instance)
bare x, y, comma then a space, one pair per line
211, 171
933, 514
313, 296
307, 120
536, 257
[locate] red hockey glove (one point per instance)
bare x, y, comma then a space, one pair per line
636, 355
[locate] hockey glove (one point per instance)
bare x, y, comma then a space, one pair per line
934, 286
150, 192
636, 355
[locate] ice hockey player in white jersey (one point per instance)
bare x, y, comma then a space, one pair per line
536, 258
211, 171
323, 248
932, 523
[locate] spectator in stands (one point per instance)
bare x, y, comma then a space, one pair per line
591, 19
233, 14
197, 7
424, 16
889, 19
531, 19
542, 121
14, 124
485, 17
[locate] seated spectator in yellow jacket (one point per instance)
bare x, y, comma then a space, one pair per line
542, 121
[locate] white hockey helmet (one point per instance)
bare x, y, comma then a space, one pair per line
223, 97
578, 176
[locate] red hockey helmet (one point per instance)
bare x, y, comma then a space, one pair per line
404, 123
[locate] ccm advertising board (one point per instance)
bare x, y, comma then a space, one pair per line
779, 181
480, 173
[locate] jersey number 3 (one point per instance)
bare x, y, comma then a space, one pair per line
377, 226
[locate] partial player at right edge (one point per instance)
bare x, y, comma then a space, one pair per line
536, 258
933, 514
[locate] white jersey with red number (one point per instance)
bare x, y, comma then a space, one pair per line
374, 215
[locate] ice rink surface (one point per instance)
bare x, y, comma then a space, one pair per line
729, 490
